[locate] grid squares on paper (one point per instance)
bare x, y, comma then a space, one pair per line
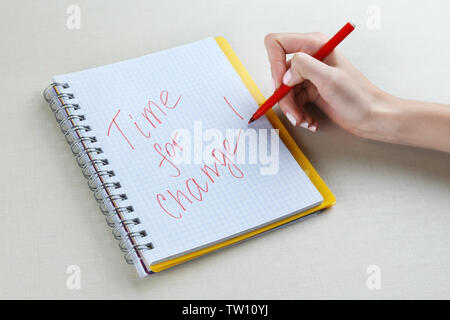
202, 75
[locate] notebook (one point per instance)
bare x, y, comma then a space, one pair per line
165, 146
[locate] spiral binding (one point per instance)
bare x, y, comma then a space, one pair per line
92, 167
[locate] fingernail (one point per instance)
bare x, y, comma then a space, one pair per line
291, 118
287, 77
304, 124
273, 84
312, 128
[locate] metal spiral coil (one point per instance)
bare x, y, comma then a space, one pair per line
72, 130
89, 152
93, 169
110, 216
88, 165
59, 115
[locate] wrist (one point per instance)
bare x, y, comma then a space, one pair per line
410, 122
386, 113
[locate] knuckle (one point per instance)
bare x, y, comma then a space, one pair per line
320, 36
332, 79
298, 58
269, 37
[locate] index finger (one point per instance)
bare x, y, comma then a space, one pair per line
278, 45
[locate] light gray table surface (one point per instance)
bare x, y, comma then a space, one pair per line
393, 202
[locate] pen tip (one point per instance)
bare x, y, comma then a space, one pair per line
251, 120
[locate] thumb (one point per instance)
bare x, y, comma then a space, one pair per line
304, 67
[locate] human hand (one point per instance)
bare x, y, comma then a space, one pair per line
335, 85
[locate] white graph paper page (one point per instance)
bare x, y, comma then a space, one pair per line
194, 93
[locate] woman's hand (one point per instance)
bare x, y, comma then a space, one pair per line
348, 98
334, 85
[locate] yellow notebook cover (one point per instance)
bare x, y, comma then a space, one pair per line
328, 197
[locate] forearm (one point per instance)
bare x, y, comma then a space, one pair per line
415, 123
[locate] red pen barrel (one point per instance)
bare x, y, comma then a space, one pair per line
277, 96
326, 49
321, 54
